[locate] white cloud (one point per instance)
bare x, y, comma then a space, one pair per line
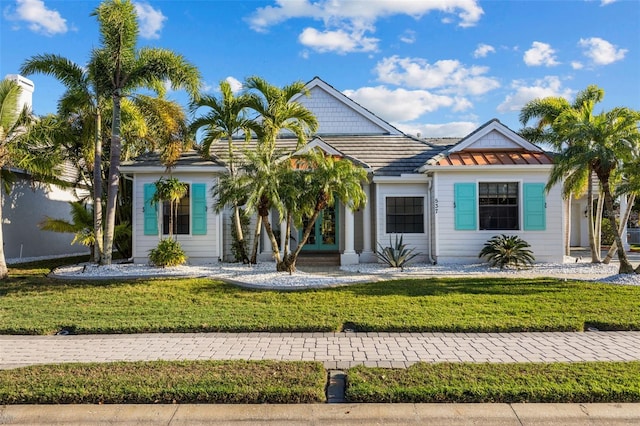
402, 104
447, 76
548, 86
455, 129
39, 18
236, 85
151, 20
483, 50
339, 41
347, 22
577, 65
600, 51
540, 54
408, 37
607, 2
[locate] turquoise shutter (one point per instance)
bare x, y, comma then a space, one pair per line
150, 211
465, 206
534, 207
199, 209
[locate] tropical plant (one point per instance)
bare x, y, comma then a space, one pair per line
277, 110
171, 190
326, 180
123, 69
25, 143
547, 111
507, 250
168, 253
605, 143
226, 118
83, 104
396, 255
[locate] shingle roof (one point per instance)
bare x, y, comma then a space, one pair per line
386, 155
188, 158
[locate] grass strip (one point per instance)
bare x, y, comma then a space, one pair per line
161, 382
34, 304
525, 382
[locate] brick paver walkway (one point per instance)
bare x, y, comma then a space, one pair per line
335, 350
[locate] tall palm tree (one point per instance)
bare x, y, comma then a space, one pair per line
546, 111
171, 190
604, 143
225, 118
25, 143
83, 101
121, 68
326, 180
276, 112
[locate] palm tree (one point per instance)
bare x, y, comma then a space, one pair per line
546, 111
82, 99
326, 180
171, 190
225, 118
276, 111
25, 143
121, 68
604, 143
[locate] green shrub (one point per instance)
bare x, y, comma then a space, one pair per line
507, 250
607, 235
168, 253
396, 255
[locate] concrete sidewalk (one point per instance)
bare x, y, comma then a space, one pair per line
324, 414
334, 350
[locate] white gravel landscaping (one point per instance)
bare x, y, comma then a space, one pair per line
263, 275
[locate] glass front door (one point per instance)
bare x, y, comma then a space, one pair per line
324, 235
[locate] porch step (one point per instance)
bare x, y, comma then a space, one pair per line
318, 259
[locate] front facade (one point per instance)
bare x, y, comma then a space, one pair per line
446, 197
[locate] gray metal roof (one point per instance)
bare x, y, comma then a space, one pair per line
187, 159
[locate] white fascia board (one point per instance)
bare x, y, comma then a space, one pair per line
407, 178
162, 169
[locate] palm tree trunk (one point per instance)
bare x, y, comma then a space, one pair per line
595, 252
4, 271
272, 238
623, 221
113, 181
598, 223
97, 189
625, 265
256, 241
288, 263
236, 209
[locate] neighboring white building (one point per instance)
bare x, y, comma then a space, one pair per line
29, 202
446, 196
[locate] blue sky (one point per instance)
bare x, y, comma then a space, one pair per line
437, 67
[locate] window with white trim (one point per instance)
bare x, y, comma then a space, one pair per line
182, 215
498, 206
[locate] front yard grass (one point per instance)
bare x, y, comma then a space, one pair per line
532, 382
30, 303
161, 382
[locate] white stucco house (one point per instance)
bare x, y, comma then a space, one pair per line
445, 196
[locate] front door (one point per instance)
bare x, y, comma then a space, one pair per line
324, 235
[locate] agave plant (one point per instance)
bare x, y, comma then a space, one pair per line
396, 255
503, 250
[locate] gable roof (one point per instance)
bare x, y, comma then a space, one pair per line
492, 144
326, 100
189, 161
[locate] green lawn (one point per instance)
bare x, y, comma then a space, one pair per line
33, 304
555, 382
161, 382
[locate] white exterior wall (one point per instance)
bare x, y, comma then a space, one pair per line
453, 246
334, 117
495, 140
419, 242
200, 249
24, 208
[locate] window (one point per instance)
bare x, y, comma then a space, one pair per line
405, 215
498, 205
181, 218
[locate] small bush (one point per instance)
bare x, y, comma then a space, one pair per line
168, 253
607, 234
396, 255
503, 250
